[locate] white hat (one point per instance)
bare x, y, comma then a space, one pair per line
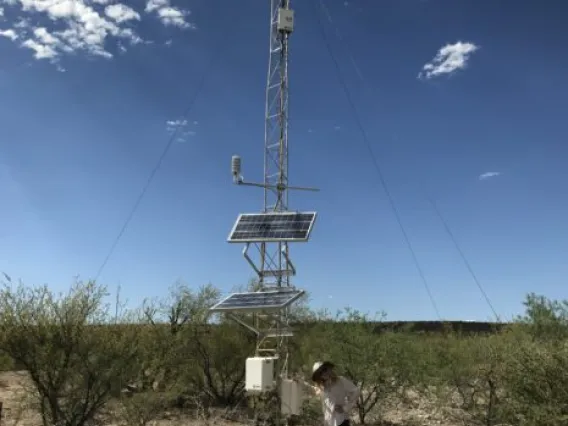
319, 367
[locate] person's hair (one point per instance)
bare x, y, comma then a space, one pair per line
333, 376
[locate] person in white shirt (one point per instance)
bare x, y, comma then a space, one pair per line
338, 394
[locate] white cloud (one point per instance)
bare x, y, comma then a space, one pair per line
1, 11
171, 125
45, 37
11, 34
489, 175
41, 51
167, 14
181, 126
82, 28
121, 13
449, 58
152, 5
75, 26
171, 16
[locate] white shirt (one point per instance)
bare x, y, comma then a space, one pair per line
343, 393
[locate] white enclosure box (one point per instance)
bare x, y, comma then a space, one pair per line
291, 397
259, 374
285, 20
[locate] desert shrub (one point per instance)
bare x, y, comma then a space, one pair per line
172, 323
311, 413
537, 380
472, 375
139, 409
220, 357
537, 369
545, 319
7, 363
199, 361
175, 354
75, 357
518, 376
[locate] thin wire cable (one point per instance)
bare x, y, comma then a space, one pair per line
340, 37
464, 258
357, 69
377, 166
359, 73
165, 151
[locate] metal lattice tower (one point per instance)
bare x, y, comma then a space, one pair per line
272, 230
275, 269
274, 265
276, 120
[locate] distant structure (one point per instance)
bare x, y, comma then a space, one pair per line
270, 233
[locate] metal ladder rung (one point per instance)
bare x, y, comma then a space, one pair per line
277, 333
279, 273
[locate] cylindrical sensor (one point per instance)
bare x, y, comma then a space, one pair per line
236, 166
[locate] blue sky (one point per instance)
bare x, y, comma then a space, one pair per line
87, 89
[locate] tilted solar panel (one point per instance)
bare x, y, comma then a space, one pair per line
272, 227
256, 301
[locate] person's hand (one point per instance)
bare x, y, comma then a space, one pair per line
338, 409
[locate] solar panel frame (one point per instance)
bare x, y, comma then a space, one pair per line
252, 305
301, 235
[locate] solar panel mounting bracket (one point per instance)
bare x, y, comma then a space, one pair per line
288, 261
250, 261
291, 271
282, 331
244, 324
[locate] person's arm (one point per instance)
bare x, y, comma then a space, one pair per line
308, 387
352, 393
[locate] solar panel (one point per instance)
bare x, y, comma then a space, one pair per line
272, 227
257, 301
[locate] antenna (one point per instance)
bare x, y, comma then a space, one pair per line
271, 231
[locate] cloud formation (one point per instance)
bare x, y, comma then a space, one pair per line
11, 34
167, 14
489, 175
450, 58
74, 26
181, 126
121, 13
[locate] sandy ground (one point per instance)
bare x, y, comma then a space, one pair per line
17, 412
15, 409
